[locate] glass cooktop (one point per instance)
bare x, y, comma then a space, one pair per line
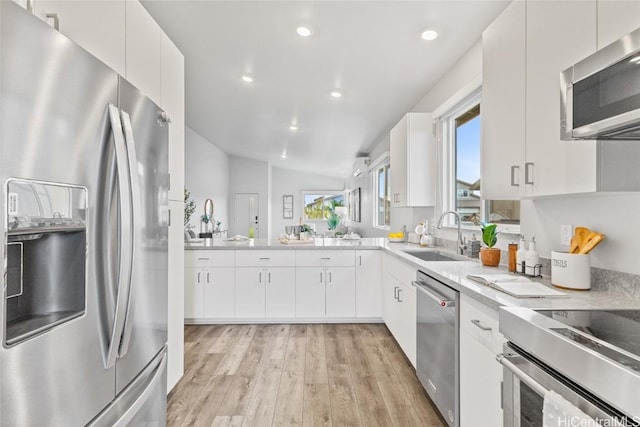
618, 328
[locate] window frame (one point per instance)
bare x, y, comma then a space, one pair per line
445, 131
385, 164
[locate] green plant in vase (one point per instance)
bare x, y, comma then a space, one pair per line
490, 256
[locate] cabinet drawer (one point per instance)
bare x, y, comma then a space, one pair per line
213, 258
402, 271
257, 258
328, 258
479, 321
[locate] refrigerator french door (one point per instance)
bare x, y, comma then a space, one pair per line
83, 167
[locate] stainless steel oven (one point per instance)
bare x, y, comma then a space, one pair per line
590, 358
525, 383
600, 95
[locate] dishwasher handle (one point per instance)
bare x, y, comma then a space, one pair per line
442, 302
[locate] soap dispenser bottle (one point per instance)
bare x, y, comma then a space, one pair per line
531, 258
521, 254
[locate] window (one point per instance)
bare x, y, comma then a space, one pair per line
318, 205
461, 137
382, 200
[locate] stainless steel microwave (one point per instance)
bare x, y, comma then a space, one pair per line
600, 95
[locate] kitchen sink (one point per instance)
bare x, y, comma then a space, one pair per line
431, 256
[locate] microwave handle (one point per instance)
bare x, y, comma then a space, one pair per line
523, 376
566, 105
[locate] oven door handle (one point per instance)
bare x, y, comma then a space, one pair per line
442, 302
523, 376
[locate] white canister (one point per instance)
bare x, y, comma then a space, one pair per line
571, 271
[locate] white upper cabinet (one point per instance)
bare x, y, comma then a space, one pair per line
413, 161
172, 101
143, 50
616, 18
503, 103
97, 26
523, 155
559, 34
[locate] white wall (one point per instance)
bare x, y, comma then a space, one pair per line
250, 176
615, 215
463, 72
206, 177
285, 181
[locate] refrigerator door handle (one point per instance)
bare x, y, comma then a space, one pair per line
126, 230
136, 209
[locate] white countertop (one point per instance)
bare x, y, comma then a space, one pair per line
452, 273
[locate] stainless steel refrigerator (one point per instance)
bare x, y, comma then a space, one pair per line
84, 172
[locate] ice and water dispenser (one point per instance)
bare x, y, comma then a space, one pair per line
46, 251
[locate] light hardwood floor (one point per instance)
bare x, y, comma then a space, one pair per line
299, 375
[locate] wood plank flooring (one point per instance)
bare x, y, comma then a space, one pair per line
297, 375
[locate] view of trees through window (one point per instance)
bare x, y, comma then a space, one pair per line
319, 206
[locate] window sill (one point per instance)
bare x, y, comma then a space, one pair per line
509, 229
385, 228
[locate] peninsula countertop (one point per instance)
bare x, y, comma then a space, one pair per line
451, 273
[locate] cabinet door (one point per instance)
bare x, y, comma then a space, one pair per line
172, 94
616, 18
143, 50
193, 293
340, 291
175, 308
398, 163
558, 35
406, 318
219, 293
250, 292
281, 292
310, 292
503, 105
480, 384
97, 26
368, 283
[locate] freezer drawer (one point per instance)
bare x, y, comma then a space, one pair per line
143, 402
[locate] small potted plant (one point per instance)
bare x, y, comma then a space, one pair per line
490, 256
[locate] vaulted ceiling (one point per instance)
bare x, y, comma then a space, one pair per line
372, 51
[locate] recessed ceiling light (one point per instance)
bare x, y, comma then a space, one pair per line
303, 31
247, 78
284, 154
429, 35
635, 59
336, 94
293, 127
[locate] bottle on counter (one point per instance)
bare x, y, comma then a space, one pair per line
513, 250
531, 258
521, 254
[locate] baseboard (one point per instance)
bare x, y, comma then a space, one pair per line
293, 320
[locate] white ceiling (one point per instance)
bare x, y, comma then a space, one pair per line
372, 50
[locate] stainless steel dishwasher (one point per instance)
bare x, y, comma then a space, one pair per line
437, 345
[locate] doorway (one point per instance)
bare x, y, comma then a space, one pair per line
245, 214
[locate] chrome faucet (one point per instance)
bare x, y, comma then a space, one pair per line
439, 227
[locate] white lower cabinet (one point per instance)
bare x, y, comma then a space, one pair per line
280, 300
340, 292
250, 292
368, 282
209, 293
310, 292
480, 372
265, 292
219, 292
399, 304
